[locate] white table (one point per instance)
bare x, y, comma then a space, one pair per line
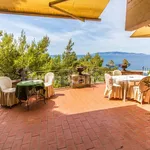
125, 79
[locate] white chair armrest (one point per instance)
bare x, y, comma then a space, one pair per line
47, 84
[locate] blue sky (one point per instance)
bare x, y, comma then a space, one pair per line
107, 35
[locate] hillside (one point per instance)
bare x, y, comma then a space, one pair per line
119, 53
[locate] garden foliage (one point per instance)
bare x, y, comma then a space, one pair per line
16, 54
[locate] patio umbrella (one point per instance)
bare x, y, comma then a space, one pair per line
77, 9
137, 14
142, 32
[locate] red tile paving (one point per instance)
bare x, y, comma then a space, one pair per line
76, 119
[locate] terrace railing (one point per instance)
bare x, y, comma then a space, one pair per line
62, 76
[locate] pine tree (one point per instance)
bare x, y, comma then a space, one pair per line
69, 56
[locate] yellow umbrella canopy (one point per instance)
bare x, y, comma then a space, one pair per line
137, 14
77, 9
141, 32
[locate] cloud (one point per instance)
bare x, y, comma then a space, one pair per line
108, 35
36, 32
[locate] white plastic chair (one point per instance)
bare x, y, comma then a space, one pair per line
117, 73
7, 93
112, 90
49, 79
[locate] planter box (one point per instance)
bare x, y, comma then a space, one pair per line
80, 81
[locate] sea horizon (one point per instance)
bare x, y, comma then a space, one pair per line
138, 61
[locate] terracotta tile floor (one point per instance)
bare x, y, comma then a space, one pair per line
76, 119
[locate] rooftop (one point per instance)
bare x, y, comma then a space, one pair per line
79, 119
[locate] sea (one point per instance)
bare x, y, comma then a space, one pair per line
137, 61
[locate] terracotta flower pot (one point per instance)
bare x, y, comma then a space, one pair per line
80, 69
123, 67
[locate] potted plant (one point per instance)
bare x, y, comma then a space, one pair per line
125, 64
80, 69
110, 64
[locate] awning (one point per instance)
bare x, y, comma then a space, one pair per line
137, 14
142, 32
77, 9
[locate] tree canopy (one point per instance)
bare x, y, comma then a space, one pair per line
17, 53
69, 57
33, 56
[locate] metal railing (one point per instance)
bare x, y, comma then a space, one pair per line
62, 76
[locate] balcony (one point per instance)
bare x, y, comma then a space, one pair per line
79, 119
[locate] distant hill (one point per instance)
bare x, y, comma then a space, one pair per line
110, 53
137, 60
119, 53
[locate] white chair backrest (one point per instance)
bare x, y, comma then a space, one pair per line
5, 83
144, 84
109, 81
117, 73
49, 77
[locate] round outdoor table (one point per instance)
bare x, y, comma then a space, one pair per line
25, 89
125, 79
